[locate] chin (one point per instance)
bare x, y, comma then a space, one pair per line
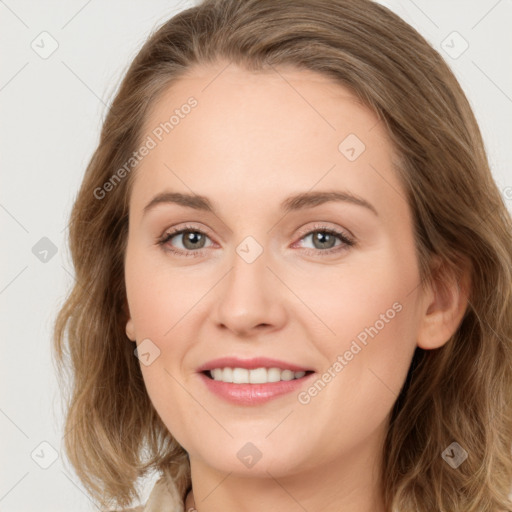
253, 455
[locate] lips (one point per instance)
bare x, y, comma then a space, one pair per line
250, 364
254, 393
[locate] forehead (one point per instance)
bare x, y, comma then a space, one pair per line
250, 133
232, 96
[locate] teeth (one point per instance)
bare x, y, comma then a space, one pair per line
255, 376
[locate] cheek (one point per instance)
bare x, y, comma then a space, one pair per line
369, 318
158, 300
158, 296
354, 298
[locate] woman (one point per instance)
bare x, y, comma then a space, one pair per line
293, 273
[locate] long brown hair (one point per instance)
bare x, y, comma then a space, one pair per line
460, 392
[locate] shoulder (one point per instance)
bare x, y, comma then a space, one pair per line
163, 496
139, 508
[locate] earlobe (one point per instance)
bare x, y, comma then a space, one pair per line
130, 327
446, 301
130, 330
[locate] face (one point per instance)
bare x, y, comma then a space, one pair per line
325, 286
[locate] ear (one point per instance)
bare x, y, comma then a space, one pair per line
445, 302
130, 330
130, 327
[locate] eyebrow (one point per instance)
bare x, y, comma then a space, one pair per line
292, 203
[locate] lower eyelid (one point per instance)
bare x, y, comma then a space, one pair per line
344, 244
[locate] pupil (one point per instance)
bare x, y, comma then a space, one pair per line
189, 238
324, 239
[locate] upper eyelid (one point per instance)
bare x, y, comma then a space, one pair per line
170, 233
325, 227
307, 231
302, 231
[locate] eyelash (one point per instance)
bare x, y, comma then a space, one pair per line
347, 242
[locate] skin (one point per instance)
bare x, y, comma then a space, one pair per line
253, 140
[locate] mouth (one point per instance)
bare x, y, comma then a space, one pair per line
253, 387
262, 375
253, 381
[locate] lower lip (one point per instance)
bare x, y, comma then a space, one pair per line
253, 394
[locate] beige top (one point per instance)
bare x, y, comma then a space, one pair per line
164, 497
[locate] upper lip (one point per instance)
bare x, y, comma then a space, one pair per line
255, 362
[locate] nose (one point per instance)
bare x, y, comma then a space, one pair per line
250, 299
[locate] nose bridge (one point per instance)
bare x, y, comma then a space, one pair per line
250, 295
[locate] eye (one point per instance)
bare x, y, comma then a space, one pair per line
324, 240
192, 241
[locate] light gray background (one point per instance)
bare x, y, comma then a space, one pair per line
51, 113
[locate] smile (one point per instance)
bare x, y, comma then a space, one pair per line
254, 376
247, 393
